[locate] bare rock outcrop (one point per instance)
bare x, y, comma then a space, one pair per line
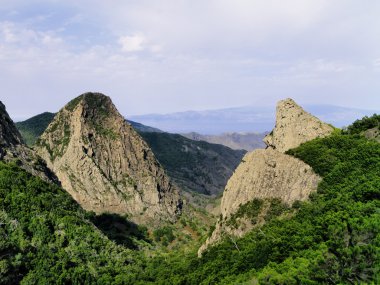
270, 173
13, 149
104, 164
294, 126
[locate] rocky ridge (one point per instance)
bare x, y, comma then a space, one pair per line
294, 126
270, 173
104, 164
13, 149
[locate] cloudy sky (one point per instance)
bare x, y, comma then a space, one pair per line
166, 56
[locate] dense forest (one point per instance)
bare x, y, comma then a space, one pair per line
332, 238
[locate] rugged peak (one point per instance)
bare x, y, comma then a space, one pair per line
12, 149
91, 101
294, 126
104, 163
9, 135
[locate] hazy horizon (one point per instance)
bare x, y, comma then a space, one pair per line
165, 56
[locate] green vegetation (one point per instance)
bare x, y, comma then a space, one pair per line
196, 166
252, 210
33, 128
164, 235
364, 124
46, 238
334, 238
73, 103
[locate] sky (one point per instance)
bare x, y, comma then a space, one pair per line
169, 56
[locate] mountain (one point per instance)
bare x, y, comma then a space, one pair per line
143, 128
13, 149
328, 237
270, 175
32, 128
242, 119
294, 126
195, 166
104, 163
246, 141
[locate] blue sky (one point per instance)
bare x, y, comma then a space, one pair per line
169, 56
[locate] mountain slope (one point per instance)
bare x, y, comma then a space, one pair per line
48, 239
33, 128
214, 163
334, 238
270, 174
104, 164
246, 141
194, 166
12, 149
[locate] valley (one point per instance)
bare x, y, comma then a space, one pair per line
90, 198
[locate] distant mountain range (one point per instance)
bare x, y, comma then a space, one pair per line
242, 119
246, 141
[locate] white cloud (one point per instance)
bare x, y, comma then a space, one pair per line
192, 53
132, 43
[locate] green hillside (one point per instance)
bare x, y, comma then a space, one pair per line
194, 165
46, 238
334, 238
32, 128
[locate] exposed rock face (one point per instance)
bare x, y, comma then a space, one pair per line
269, 173
12, 149
104, 164
9, 135
294, 126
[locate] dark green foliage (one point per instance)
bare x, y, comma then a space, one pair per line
120, 230
73, 103
164, 235
334, 239
33, 128
46, 237
364, 124
250, 210
194, 165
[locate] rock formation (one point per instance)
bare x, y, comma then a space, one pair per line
294, 126
104, 164
270, 173
13, 149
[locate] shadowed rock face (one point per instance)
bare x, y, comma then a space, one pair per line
9, 135
270, 173
104, 164
12, 149
294, 126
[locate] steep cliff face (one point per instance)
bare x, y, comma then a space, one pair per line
294, 126
268, 174
264, 175
104, 164
12, 149
9, 135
